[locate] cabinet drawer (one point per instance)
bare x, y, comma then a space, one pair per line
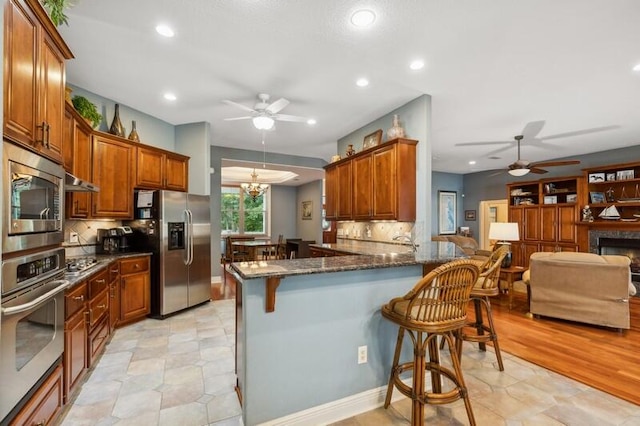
75, 299
98, 339
46, 403
114, 271
98, 308
134, 266
97, 283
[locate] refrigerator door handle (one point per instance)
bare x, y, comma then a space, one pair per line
187, 237
190, 236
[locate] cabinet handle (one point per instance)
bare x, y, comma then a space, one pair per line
43, 126
40, 423
79, 298
103, 307
136, 266
47, 127
101, 281
114, 271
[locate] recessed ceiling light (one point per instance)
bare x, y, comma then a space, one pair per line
363, 18
170, 96
362, 82
311, 121
637, 67
472, 162
416, 65
164, 30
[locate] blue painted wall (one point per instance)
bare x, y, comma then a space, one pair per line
446, 182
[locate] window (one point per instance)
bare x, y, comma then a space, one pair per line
241, 214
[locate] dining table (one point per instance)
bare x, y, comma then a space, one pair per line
252, 246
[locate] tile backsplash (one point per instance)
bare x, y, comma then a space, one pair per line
87, 231
378, 231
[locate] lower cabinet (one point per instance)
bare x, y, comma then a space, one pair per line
114, 295
75, 338
46, 403
135, 290
98, 337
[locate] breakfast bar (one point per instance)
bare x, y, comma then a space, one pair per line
300, 322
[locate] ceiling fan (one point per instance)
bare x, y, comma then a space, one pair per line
522, 167
265, 114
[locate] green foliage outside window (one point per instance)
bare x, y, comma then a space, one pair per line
241, 214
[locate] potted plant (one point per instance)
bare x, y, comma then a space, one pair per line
55, 9
87, 110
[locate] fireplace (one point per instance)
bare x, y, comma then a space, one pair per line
629, 247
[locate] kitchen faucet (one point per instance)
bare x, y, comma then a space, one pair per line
407, 238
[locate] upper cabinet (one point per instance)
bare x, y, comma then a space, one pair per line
77, 161
34, 79
375, 184
113, 171
158, 169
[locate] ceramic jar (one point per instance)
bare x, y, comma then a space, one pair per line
396, 131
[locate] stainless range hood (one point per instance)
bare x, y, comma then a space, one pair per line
74, 184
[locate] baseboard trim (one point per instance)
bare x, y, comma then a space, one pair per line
338, 410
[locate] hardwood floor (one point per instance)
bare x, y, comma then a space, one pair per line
599, 357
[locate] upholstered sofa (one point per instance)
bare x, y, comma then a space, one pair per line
582, 287
468, 245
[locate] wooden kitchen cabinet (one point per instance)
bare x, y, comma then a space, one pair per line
135, 290
34, 79
114, 295
78, 204
113, 171
375, 184
98, 316
158, 169
75, 338
46, 403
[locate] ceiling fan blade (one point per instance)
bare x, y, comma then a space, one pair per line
285, 117
237, 118
537, 170
237, 105
555, 163
532, 129
499, 172
483, 143
580, 132
277, 106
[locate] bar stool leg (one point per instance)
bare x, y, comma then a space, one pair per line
479, 322
394, 366
492, 331
455, 361
417, 406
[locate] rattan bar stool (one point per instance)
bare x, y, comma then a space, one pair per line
488, 285
436, 306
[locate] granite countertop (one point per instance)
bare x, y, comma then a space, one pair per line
103, 260
367, 255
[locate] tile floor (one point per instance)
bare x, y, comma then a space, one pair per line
180, 372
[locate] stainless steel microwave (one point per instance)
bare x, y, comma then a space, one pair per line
33, 198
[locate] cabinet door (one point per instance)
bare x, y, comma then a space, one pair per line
330, 189
78, 203
134, 296
567, 232
176, 173
521, 252
68, 127
151, 171
113, 171
114, 295
384, 184
51, 98
45, 404
362, 187
21, 37
75, 351
531, 223
548, 223
516, 214
344, 191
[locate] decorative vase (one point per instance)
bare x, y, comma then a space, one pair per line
396, 131
133, 136
116, 125
350, 150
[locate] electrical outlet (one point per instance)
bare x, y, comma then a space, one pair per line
73, 237
362, 354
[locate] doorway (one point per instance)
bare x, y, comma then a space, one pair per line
491, 211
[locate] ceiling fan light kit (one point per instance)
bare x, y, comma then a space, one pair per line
518, 172
265, 114
263, 122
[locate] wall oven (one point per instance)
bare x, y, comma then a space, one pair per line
33, 194
31, 324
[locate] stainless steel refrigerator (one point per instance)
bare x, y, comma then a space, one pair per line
175, 228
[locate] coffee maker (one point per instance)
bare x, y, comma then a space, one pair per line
114, 240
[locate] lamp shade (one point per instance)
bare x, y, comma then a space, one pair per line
263, 123
518, 172
504, 231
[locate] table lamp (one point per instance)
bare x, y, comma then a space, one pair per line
504, 232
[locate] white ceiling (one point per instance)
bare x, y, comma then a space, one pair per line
491, 67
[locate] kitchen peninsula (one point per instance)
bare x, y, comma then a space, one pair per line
300, 322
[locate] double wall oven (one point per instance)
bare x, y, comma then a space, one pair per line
33, 269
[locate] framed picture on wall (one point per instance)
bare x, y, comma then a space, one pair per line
447, 212
470, 215
307, 210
